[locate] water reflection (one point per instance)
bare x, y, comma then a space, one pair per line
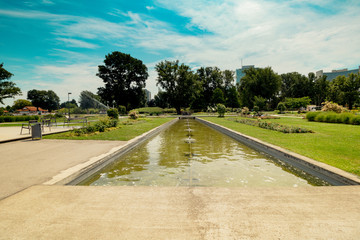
200, 157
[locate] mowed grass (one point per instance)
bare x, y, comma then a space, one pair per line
126, 130
335, 144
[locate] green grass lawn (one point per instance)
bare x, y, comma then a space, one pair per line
335, 144
126, 130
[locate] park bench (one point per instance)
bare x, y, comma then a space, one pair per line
28, 125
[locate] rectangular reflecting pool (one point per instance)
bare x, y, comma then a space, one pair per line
188, 153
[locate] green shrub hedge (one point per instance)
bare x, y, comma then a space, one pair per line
18, 118
99, 126
332, 117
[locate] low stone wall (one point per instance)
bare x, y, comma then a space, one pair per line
323, 171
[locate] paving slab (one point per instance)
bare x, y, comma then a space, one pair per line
8, 134
77, 212
26, 163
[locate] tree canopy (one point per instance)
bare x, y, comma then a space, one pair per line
345, 90
21, 103
8, 89
124, 78
179, 82
44, 99
261, 82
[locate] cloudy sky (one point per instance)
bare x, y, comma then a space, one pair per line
58, 44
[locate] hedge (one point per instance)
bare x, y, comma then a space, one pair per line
333, 117
18, 118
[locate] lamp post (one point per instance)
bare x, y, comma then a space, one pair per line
69, 103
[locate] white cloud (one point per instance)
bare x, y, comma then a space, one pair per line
150, 8
77, 43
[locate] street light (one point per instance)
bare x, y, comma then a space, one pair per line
69, 103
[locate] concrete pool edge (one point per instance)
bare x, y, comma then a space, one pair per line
324, 171
81, 171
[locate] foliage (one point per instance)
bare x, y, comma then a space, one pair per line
8, 89
295, 85
71, 104
232, 97
100, 126
260, 102
133, 114
21, 103
124, 78
333, 117
221, 109
218, 96
122, 110
345, 90
44, 99
150, 110
257, 111
334, 107
320, 90
296, 103
245, 111
273, 126
113, 113
18, 118
262, 82
161, 100
281, 107
179, 83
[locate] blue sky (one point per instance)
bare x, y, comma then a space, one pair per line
58, 44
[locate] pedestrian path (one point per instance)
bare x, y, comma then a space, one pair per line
8, 134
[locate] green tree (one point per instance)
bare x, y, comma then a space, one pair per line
8, 89
44, 99
124, 78
321, 90
232, 98
221, 109
161, 100
295, 85
262, 82
260, 102
210, 78
21, 103
345, 90
218, 96
179, 82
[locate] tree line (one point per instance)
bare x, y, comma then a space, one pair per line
124, 79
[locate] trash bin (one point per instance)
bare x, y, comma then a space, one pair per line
36, 131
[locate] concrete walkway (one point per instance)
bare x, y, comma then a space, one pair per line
75, 212
31, 210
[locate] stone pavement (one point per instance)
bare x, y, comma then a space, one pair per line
31, 210
78, 212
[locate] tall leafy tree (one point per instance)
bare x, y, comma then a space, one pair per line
44, 99
210, 79
261, 82
124, 78
179, 83
345, 90
232, 98
320, 90
8, 89
295, 85
21, 103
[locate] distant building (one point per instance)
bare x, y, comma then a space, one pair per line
335, 73
148, 95
241, 72
30, 110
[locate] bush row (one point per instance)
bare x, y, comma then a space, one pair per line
274, 126
18, 118
99, 126
332, 117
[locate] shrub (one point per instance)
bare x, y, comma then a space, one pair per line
310, 116
334, 107
355, 120
221, 109
245, 111
281, 107
346, 117
113, 113
133, 115
122, 110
